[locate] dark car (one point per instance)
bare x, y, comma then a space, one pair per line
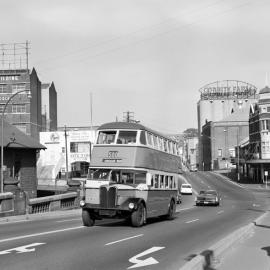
208, 197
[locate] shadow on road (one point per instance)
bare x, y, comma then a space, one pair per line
208, 257
267, 249
262, 226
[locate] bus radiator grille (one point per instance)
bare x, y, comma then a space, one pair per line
108, 197
112, 197
103, 197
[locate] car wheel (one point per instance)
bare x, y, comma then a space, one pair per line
87, 219
138, 216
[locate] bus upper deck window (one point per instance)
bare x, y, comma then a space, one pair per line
106, 137
127, 137
142, 138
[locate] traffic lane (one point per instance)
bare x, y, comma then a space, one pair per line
67, 240
209, 180
87, 246
28, 226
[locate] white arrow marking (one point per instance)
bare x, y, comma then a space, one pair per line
148, 261
22, 249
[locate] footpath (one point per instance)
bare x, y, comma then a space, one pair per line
247, 248
252, 252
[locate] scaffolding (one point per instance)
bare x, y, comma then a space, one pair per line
14, 56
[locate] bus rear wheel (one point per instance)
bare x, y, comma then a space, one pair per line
171, 210
87, 219
138, 216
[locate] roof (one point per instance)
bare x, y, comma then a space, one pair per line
14, 138
265, 90
131, 125
239, 115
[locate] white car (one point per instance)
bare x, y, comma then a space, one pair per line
186, 189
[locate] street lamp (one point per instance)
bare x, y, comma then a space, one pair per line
2, 135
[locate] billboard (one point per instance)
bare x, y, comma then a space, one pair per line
228, 89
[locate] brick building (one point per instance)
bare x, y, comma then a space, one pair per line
24, 113
219, 138
20, 157
257, 155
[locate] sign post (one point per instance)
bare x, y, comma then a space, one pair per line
266, 174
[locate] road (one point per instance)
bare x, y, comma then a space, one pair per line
63, 243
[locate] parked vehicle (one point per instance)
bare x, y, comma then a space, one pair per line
186, 189
193, 168
208, 197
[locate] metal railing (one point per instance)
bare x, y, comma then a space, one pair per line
52, 203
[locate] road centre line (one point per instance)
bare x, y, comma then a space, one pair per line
65, 220
194, 220
124, 239
39, 234
12, 222
184, 209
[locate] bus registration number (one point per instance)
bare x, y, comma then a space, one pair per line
107, 212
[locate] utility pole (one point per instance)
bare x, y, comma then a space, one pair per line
66, 153
238, 152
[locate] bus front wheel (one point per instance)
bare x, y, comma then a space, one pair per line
88, 221
138, 216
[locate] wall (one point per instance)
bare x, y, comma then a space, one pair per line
27, 174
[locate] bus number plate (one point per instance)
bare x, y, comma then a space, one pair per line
107, 212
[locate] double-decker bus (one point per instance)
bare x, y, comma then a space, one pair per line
133, 174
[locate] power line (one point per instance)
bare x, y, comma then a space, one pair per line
177, 27
98, 44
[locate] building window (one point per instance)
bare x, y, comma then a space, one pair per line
265, 125
21, 127
219, 152
3, 89
79, 147
18, 87
19, 108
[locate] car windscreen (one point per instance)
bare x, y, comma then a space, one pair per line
186, 186
211, 192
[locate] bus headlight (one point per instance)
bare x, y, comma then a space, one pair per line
82, 203
131, 205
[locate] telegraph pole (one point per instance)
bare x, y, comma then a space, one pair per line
238, 152
66, 153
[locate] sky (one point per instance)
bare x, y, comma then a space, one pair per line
149, 57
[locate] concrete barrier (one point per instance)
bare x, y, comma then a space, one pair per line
210, 258
52, 203
6, 203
